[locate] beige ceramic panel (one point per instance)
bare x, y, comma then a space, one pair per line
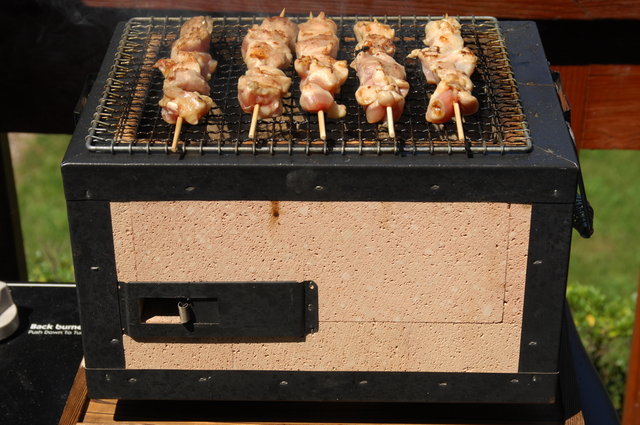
350, 346
516, 273
372, 261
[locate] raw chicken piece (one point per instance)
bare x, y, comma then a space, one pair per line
187, 72
264, 86
191, 106
382, 80
447, 63
321, 74
266, 49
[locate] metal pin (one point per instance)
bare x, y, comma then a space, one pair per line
183, 311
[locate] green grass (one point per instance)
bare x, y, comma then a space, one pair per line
43, 212
610, 259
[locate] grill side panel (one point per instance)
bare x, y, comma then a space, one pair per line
390, 276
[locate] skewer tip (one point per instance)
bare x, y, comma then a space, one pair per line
254, 121
176, 134
310, 15
323, 130
392, 130
458, 116
284, 9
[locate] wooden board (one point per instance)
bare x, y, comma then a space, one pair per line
521, 9
604, 100
631, 409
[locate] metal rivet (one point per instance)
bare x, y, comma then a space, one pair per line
537, 262
319, 188
189, 188
95, 268
204, 379
114, 341
87, 194
514, 381
312, 286
442, 384
435, 187
283, 383
533, 343
363, 382
133, 380
107, 377
310, 307
556, 193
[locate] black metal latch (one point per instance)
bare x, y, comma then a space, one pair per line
582, 211
220, 309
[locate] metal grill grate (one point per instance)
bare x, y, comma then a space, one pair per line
128, 116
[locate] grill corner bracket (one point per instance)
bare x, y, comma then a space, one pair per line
311, 319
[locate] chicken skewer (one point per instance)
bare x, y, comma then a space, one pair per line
383, 85
186, 75
447, 63
322, 75
266, 50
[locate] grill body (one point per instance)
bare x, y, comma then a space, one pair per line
398, 275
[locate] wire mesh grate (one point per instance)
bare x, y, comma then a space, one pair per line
128, 116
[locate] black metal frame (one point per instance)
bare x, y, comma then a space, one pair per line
545, 177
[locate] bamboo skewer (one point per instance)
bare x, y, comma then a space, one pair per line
456, 110
392, 130
461, 137
323, 131
256, 107
254, 121
176, 134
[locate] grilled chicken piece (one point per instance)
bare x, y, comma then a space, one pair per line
435, 63
316, 25
322, 75
320, 45
206, 63
443, 34
197, 27
186, 73
447, 63
284, 25
182, 77
264, 86
266, 49
189, 105
325, 71
382, 84
364, 29
453, 87
195, 35
382, 80
377, 43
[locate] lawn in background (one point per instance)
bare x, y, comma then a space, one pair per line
43, 212
604, 270
610, 259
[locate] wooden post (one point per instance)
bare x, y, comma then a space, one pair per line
631, 408
12, 260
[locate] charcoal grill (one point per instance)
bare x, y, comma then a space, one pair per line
362, 268
132, 123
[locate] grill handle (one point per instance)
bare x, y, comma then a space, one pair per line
582, 210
